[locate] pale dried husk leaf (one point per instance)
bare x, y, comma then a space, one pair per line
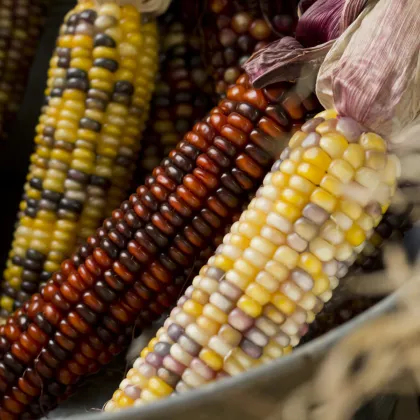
372, 72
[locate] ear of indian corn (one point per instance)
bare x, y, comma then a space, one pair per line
100, 82
21, 23
276, 268
183, 89
135, 267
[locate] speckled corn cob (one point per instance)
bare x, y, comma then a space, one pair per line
183, 90
135, 267
100, 81
21, 23
253, 300
233, 30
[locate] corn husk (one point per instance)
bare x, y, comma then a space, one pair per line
372, 71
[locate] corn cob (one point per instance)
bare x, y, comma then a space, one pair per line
99, 84
21, 23
134, 268
253, 300
233, 30
183, 90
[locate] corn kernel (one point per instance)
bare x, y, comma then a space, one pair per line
310, 263
316, 156
355, 235
280, 179
239, 241
371, 141
209, 325
328, 114
350, 208
297, 139
301, 184
193, 308
324, 200
211, 359
355, 155
321, 284
323, 250
286, 256
341, 170
258, 293
283, 304
159, 387
334, 144
249, 306
223, 262
288, 167
290, 212
277, 270
293, 197
332, 185
311, 172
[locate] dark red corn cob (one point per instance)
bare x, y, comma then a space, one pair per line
233, 30
133, 270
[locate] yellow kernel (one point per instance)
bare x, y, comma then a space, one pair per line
310, 172
355, 235
297, 139
239, 241
254, 216
316, 156
245, 267
288, 167
258, 293
286, 210
293, 197
355, 155
248, 229
301, 184
264, 246
328, 114
148, 396
324, 200
249, 306
368, 178
350, 208
286, 256
200, 296
214, 313
193, 308
100, 73
279, 179
223, 262
342, 170
74, 95
334, 144
283, 303
159, 387
82, 41
105, 52
371, 141
211, 359
65, 41
145, 352
81, 63
310, 263
209, 325
321, 284
365, 222
277, 270
332, 185
6, 303
105, 85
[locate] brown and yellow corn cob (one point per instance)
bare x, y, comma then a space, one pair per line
135, 267
233, 30
100, 81
183, 90
21, 23
278, 265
